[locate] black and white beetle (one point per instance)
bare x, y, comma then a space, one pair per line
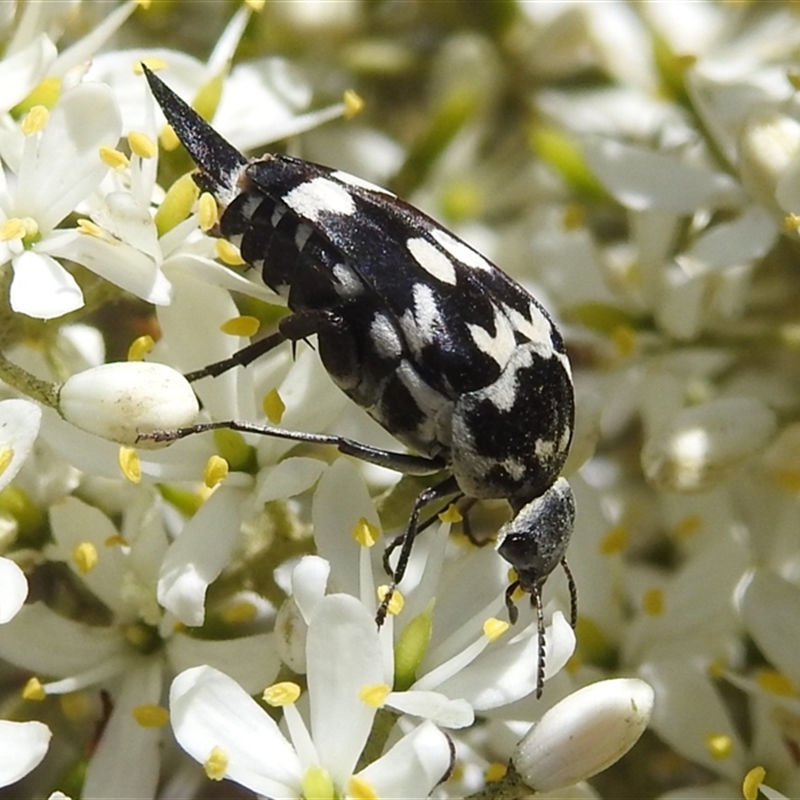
438, 345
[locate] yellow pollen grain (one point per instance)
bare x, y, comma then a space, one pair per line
281, 694
113, 158
84, 555
89, 228
397, 602
316, 784
361, 789
273, 406
496, 771
239, 613
142, 145
33, 690
653, 602
115, 540
719, 745
129, 464
752, 782
6, 457
614, 541
140, 347
12, 228
209, 213
624, 339
76, 706
451, 514
687, 527
774, 682
215, 471
35, 120
255, 5
240, 326
151, 716
494, 628
791, 222
216, 764
227, 253
374, 694
153, 63
353, 104
168, 139
365, 533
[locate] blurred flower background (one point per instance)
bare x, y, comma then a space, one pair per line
637, 167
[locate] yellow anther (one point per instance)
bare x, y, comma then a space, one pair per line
395, 604
33, 690
496, 771
239, 613
451, 514
281, 694
719, 745
494, 628
687, 527
774, 682
216, 764
13, 228
208, 210
113, 158
142, 145
84, 555
615, 540
140, 347
153, 63
752, 782
353, 104
375, 694
76, 706
35, 120
130, 464
216, 470
89, 228
115, 540
6, 457
365, 533
151, 716
273, 406
169, 139
227, 253
241, 326
360, 789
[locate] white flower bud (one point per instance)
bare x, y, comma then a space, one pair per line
584, 734
701, 444
123, 400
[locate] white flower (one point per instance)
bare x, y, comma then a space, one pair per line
223, 728
130, 657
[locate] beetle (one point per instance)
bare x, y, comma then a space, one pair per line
443, 349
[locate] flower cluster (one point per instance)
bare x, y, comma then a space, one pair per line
175, 617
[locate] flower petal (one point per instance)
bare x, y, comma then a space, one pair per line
19, 427
13, 589
208, 709
42, 288
24, 745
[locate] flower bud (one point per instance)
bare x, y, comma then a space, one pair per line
123, 400
584, 733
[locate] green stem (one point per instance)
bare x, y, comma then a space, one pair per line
22, 380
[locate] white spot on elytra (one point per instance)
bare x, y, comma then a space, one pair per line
320, 196
544, 449
463, 252
348, 284
384, 337
354, 180
422, 326
501, 345
428, 400
502, 394
432, 260
538, 329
